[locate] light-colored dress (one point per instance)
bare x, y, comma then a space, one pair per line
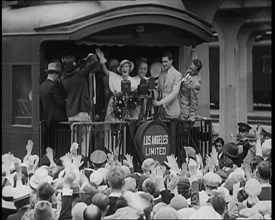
115, 87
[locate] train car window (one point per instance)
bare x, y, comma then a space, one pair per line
21, 95
262, 71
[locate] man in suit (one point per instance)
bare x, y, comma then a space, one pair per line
76, 84
168, 88
52, 96
189, 90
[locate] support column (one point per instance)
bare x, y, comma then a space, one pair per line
227, 29
243, 62
250, 73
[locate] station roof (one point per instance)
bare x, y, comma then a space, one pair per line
93, 21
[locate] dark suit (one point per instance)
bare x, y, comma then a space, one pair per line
75, 82
18, 215
53, 101
266, 193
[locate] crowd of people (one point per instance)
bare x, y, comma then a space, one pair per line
233, 182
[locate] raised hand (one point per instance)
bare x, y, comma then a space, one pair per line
172, 163
49, 153
66, 161
74, 148
100, 55
210, 163
29, 147
128, 161
116, 154
214, 156
110, 159
172, 184
77, 162
183, 170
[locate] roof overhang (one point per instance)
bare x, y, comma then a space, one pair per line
130, 22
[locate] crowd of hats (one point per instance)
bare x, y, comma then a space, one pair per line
157, 191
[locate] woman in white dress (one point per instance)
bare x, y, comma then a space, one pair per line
124, 68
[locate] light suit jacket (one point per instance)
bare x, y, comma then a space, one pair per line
189, 92
168, 87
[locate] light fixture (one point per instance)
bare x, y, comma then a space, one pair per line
139, 29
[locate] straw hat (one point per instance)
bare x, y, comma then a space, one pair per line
123, 62
21, 192
40, 175
8, 193
96, 177
98, 157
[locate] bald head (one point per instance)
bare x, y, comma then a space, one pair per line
92, 212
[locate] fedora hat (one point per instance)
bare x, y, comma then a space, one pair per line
40, 175
126, 61
43, 210
231, 150
53, 68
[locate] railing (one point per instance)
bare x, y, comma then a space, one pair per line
99, 135
197, 135
105, 135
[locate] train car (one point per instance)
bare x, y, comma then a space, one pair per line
34, 33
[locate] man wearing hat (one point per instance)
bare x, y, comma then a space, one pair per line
190, 88
78, 104
263, 143
52, 96
21, 201
243, 143
98, 159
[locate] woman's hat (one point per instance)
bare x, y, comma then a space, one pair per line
231, 150
126, 61
7, 198
53, 67
40, 175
